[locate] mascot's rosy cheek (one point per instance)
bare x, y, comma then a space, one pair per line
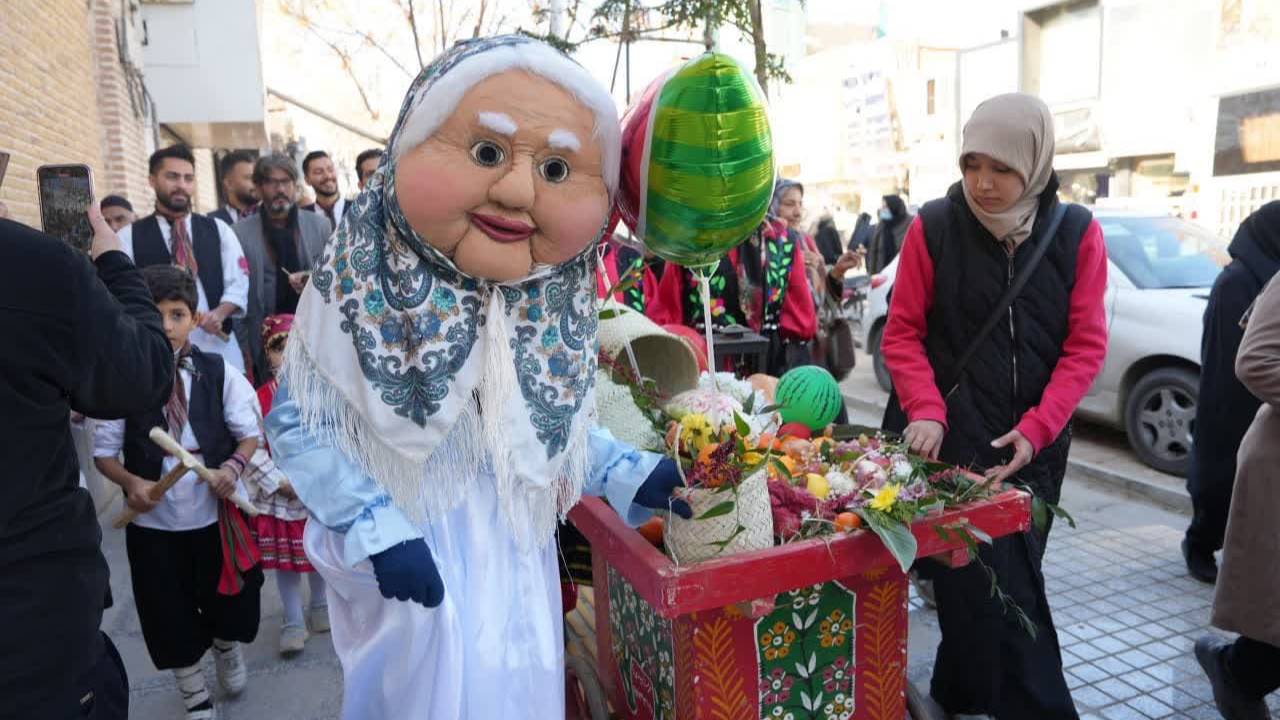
512, 180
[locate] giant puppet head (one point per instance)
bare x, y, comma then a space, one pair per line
451, 324
508, 161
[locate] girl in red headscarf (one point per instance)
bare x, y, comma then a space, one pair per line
282, 517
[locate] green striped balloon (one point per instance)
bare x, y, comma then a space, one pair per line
697, 161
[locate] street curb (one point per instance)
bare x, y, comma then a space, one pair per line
1096, 474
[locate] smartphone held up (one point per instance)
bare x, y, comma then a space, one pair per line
66, 191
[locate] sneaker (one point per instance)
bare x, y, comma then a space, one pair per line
1211, 652
203, 711
1200, 564
230, 668
292, 639
195, 694
318, 619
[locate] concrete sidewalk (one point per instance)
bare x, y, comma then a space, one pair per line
1098, 454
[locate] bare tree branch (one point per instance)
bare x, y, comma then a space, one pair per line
305, 20
345, 59
480, 19
412, 16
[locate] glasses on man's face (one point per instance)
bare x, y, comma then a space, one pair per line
279, 182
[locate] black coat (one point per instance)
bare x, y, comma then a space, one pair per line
1225, 408
887, 238
78, 338
828, 241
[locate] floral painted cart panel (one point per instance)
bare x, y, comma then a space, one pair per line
697, 642
799, 661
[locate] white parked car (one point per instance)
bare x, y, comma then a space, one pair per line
1160, 272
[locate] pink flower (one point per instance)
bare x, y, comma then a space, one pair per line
776, 688
836, 677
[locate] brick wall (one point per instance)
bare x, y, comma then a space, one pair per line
126, 137
64, 98
47, 96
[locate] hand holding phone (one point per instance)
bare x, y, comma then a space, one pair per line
104, 238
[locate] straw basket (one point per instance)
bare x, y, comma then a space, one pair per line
690, 541
618, 412
663, 357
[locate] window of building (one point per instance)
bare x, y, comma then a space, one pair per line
931, 86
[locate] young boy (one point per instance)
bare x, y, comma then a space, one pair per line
175, 546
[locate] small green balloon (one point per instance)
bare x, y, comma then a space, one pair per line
808, 395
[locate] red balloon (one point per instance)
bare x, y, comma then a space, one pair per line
635, 132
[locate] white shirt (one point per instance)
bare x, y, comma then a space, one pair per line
339, 208
189, 505
235, 285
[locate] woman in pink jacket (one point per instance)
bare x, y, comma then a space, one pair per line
1007, 409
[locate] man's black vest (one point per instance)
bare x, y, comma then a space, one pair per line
1009, 373
204, 412
149, 249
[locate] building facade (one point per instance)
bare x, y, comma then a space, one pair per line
70, 92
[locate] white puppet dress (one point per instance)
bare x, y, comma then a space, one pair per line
421, 398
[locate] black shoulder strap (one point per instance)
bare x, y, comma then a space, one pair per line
1010, 294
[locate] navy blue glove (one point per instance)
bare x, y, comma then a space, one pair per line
407, 572
655, 493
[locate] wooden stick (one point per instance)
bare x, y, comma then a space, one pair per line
171, 446
157, 491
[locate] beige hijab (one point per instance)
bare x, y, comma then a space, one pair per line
1017, 130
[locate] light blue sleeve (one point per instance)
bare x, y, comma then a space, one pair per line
617, 472
337, 494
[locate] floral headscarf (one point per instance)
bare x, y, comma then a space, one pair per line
423, 375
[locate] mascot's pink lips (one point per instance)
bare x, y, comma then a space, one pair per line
501, 229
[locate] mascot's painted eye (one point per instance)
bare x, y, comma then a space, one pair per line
554, 169
488, 154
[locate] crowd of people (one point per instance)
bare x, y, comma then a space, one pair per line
996, 330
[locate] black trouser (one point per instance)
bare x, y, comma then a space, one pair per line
51, 651
987, 662
1210, 486
175, 586
106, 696
1255, 666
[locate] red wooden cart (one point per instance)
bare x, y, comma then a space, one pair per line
828, 640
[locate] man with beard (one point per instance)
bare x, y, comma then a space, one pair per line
280, 244
237, 187
205, 246
366, 163
317, 169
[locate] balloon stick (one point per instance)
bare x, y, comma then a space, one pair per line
704, 282
611, 303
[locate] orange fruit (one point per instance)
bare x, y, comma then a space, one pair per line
766, 441
796, 447
848, 522
789, 463
652, 530
704, 455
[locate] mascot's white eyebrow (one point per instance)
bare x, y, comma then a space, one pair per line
500, 123
564, 140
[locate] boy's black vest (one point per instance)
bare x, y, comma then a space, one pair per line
206, 243
204, 412
1009, 373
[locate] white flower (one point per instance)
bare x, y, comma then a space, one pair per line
901, 469
840, 483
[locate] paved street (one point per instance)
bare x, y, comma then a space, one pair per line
1127, 616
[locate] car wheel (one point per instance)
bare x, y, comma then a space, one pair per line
877, 361
1160, 417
